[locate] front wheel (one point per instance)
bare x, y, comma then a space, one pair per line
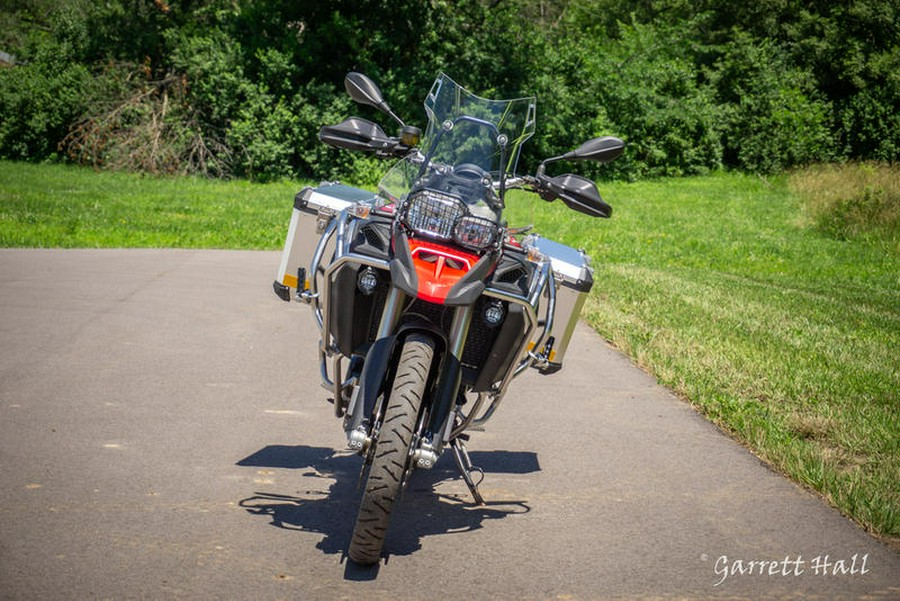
392, 450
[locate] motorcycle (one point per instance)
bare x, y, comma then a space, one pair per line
427, 303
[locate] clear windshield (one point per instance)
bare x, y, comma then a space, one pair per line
464, 129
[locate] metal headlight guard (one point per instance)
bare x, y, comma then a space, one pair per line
442, 216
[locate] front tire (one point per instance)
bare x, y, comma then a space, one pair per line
392, 450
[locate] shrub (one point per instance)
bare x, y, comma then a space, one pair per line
870, 123
213, 66
262, 135
39, 100
652, 93
777, 119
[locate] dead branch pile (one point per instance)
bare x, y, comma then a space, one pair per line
149, 129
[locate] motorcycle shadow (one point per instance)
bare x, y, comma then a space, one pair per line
423, 511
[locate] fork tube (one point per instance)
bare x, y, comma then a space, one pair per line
459, 329
393, 308
451, 372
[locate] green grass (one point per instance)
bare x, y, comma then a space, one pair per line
783, 335
66, 206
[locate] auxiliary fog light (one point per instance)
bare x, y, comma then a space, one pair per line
493, 314
367, 281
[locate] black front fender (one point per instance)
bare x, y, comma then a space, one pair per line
377, 367
371, 381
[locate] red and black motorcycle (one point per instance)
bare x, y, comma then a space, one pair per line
427, 303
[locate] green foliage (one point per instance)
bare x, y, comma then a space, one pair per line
651, 94
39, 101
870, 123
212, 63
693, 86
777, 118
263, 130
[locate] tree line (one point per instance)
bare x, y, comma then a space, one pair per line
240, 87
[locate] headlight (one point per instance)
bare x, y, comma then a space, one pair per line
446, 217
475, 232
434, 214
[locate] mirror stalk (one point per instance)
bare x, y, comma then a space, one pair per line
364, 91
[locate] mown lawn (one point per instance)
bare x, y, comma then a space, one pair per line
65, 206
786, 338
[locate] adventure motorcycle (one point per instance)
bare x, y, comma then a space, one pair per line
428, 305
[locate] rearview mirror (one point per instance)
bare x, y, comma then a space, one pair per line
363, 90
602, 150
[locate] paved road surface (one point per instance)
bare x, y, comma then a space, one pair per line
163, 435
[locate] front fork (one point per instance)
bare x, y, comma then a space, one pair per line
442, 418
361, 404
444, 413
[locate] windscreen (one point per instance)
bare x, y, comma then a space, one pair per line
472, 141
464, 129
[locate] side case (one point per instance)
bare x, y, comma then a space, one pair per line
313, 209
574, 280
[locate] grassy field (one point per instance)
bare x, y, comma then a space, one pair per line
63, 206
783, 335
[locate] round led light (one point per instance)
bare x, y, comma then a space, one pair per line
367, 281
493, 314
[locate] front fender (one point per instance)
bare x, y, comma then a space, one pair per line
377, 366
371, 381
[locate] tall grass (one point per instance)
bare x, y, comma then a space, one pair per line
852, 199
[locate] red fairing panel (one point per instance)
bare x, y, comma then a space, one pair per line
438, 268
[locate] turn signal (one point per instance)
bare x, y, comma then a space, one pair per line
410, 136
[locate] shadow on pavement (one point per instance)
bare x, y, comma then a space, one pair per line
423, 511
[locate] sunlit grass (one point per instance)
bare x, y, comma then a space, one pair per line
64, 206
784, 336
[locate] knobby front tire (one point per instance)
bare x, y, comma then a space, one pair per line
392, 450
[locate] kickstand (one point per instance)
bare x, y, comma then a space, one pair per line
464, 464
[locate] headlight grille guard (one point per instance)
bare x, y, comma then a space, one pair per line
445, 217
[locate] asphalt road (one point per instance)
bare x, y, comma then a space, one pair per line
163, 435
